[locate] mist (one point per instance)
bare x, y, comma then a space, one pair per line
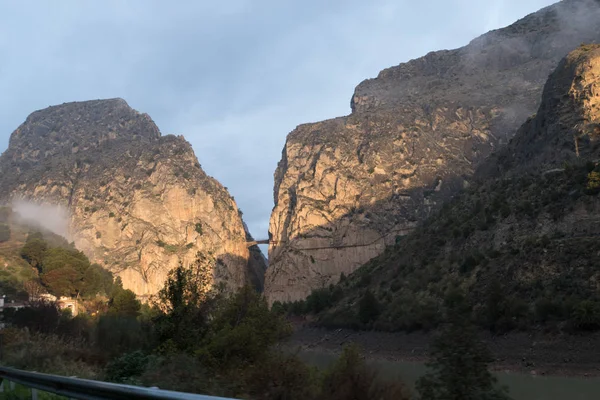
51, 217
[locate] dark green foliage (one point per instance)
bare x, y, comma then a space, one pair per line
487, 241
96, 280
63, 270
4, 233
586, 315
351, 378
41, 317
116, 334
458, 369
124, 303
281, 376
186, 301
368, 308
34, 249
243, 329
127, 366
184, 373
199, 228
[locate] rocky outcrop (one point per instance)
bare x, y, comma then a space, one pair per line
139, 202
521, 244
345, 188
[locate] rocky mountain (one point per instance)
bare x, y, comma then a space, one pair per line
348, 187
139, 203
521, 244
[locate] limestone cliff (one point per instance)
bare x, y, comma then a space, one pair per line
347, 187
521, 244
139, 202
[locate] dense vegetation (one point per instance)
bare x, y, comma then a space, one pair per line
506, 244
198, 339
192, 338
65, 271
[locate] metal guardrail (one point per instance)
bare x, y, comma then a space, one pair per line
86, 389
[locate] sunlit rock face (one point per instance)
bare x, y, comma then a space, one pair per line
347, 187
138, 202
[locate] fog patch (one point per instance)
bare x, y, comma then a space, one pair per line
51, 217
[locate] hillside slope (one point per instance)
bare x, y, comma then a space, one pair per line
522, 244
139, 203
347, 187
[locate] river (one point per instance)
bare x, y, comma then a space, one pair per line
521, 386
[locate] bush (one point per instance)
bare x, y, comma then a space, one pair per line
42, 317
117, 334
242, 331
586, 315
459, 367
281, 376
351, 378
368, 308
183, 373
126, 367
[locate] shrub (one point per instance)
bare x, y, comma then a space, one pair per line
115, 334
586, 315
243, 329
199, 228
281, 376
183, 373
127, 366
351, 378
459, 367
368, 308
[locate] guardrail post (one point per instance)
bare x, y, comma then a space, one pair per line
11, 385
34, 393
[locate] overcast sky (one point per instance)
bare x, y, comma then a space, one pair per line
233, 77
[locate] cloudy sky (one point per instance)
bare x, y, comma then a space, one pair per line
234, 77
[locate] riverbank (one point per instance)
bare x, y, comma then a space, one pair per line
534, 353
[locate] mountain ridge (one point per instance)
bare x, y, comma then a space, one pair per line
139, 202
417, 134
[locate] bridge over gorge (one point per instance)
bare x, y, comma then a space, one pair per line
263, 241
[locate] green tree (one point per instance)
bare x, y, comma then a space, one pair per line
33, 251
458, 369
243, 330
186, 301
62, 281
368, 308
124, 303
96, 280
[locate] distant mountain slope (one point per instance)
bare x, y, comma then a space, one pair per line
347, 187
139, 202
522, 244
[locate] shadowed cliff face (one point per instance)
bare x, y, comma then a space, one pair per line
416, 135
139, 203
522, 240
